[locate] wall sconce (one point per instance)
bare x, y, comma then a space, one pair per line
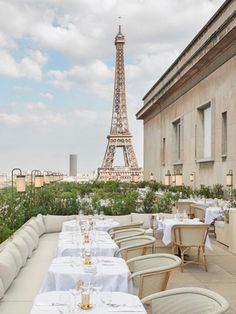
20, 181
229, 179
168, 178
178, 179
151, 178
192, 177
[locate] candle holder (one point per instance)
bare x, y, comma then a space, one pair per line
87, 259
85, 301
86, 238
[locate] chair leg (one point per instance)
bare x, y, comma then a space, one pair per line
198, 254
204, 258
182, 261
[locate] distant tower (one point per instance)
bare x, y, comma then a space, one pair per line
73, 165
119, 134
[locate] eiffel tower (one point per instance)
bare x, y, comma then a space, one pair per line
119, 134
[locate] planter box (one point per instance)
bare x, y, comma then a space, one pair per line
222, 232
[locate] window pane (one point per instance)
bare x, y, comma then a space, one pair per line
207, 133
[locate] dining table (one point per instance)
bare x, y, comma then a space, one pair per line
99, 224
73, 244
69, 272
67, 302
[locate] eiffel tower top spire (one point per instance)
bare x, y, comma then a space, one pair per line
119, 122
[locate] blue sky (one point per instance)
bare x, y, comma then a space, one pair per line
57, 69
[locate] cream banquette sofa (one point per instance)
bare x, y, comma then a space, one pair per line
26, 256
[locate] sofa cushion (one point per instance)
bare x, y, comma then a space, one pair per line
145, 218
33, 234
123, 219
40, 222
34, 225
1, 289
13, 250
21, 245
8, 270
54, 223
28, 240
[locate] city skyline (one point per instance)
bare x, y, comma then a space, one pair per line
57, 73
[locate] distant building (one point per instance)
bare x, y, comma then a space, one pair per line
73, 165
189, 115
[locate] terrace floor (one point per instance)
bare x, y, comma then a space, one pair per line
221, 275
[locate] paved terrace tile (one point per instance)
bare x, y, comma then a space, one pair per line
221, 275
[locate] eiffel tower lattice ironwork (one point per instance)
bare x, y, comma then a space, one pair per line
119, 134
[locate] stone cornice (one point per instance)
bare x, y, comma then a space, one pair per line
193, 60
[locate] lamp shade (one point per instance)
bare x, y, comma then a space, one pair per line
179, 179
151, 176
229, 178
47, 179
173, 178
20, 183
38, 181
167, 178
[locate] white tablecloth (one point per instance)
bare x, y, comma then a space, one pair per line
100, 225
211, 213
167, 225
56, 302
100, 245
108, 272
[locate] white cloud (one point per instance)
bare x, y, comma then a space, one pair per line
28, 67
36, 106
47, 96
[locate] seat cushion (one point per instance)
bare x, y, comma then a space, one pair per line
145, 218
13, 250
30, 278
54, 223
15, 307
21, 245
8, 270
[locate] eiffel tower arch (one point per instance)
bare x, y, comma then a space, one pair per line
120, 136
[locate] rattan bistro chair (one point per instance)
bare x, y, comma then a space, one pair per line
150, 273
185, 237
127, 233
186, 300
135, 246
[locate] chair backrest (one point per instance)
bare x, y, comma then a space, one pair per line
128, 226
151, 272
135, 246
186, 300
126, 233
190, 235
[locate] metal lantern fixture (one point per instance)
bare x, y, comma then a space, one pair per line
168, 178
173, 178
178, 179
47, 178
191, 177
20, 183
229, 179
151, 177
38, 180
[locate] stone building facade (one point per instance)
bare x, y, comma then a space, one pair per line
189, 115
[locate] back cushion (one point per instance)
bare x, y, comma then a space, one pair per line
1, 289
123, 219
34, 225
8, 269
145, 218
13, 250
21, 245
54, 223
34, 236
29, 241
40, 222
